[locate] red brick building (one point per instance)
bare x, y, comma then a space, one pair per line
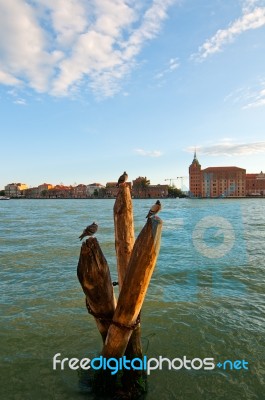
79, 191
60, 192
142, 189
139, 190
224, 181
195, 175
255, 184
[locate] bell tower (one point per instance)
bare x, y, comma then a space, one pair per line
195, 177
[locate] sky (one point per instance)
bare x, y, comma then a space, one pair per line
91, 88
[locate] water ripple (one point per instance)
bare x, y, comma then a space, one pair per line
195, 306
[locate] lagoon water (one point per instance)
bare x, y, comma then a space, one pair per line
206, 297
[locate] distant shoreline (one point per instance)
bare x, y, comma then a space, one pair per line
141, 198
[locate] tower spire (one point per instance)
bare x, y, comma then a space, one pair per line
195, 154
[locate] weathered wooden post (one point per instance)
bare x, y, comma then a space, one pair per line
124, 230
120, 327
94, 276
124, 242
135, 284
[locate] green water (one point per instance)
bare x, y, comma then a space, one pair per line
197, 304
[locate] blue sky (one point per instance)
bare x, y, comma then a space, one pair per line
89, 89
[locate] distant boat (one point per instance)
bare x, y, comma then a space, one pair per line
4, 198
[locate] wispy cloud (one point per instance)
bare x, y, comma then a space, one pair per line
8, 79
252, 96
229, 148
256, 98
253, 17
148, 153
16, 98
20, 102
250, 5
56, 46
172, 65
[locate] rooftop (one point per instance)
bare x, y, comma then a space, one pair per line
223, 169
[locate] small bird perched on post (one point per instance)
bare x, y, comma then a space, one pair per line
122, 179
89, 230
154, 209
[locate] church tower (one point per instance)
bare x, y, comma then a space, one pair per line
195, 176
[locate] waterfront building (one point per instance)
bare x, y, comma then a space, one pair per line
78, 192
61, 192
157, 191
94, 188
195, 177
142, 189
15, 189
32, 193
215, 182
44, 187
223, 182
41, 191
255, 184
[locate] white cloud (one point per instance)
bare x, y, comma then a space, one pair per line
23, 51
148, 153
251, 19
229, 148
8, 79
66, 18
249, 5
13, 93
149, 27
172, 65
21, 102
249, 97
256, 98
56, 46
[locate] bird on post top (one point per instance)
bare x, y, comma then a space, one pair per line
122, 179
89, 230
154, 209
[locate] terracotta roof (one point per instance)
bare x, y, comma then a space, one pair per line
251, 176
223, 169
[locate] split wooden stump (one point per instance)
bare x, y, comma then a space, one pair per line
124, 242
119, 325
94, 276
137, 278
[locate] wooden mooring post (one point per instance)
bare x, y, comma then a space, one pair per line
135, 284
120, 326
124, 230
94, 276
124, 242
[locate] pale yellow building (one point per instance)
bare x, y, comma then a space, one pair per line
15, 189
